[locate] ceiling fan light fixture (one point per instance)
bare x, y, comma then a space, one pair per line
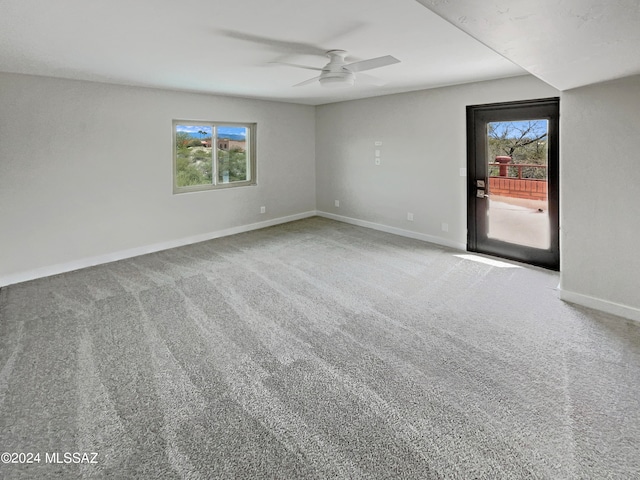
337, 81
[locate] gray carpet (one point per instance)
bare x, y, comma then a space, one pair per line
315, 349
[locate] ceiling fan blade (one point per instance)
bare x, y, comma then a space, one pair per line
372, 63
307, 82
297, 66
369, 80
279, 45
332, 38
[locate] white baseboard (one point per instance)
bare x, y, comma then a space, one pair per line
134, 252
613, 308
396, 231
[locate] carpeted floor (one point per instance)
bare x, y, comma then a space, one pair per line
314, 349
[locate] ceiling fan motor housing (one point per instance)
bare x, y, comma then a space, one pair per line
334, 74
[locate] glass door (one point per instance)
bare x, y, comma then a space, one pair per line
513, 181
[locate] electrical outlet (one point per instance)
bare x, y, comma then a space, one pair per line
263, 209
445, 227
377, 161
410, 217
337, 203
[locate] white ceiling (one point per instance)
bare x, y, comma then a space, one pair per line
228, 46
566, 43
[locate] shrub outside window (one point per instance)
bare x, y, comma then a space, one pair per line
212, 155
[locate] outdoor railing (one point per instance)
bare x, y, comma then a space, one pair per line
514, 170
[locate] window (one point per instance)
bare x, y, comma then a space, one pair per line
211, 155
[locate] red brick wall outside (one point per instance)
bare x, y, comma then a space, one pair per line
518, 188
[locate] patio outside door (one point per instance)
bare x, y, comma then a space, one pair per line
513, 184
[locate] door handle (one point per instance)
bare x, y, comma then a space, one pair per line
480, 193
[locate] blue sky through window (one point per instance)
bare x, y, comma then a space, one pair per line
539, 126
194, 130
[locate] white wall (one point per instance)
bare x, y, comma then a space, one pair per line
424, 147
600, 195
86, 171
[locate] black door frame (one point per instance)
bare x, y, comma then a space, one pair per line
477, 118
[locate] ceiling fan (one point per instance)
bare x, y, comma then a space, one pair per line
338, 73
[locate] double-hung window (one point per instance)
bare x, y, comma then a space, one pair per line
211, 155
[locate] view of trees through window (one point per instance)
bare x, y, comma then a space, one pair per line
211, 154
524, 141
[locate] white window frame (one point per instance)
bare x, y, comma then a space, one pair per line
215, 185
